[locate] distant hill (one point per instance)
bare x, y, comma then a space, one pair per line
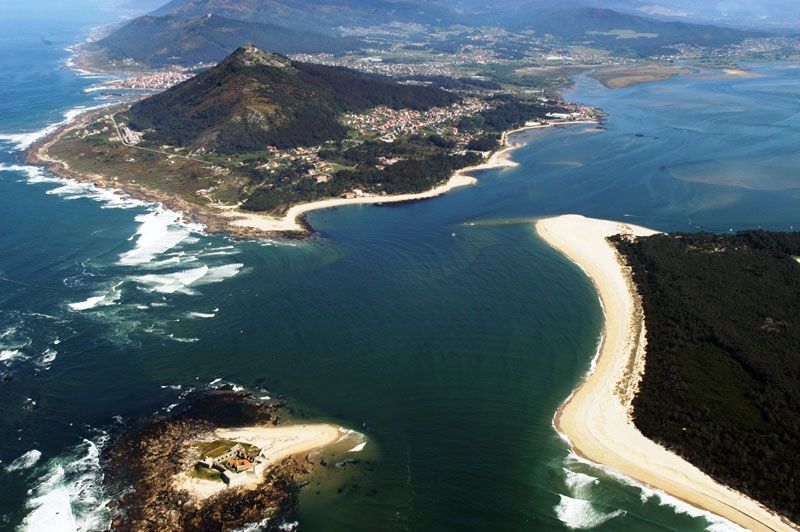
171, 40
623, 33
254, 99
320, 15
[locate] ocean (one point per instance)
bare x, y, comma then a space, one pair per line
444, 330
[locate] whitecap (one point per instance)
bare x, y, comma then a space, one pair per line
581, 514
203, 315
26, 461
215, 381
183, 340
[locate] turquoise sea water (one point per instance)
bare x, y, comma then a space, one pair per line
444, 330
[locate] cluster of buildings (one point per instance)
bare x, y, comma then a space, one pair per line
388, 123
236, 464
767, 48
376, 65
155, 81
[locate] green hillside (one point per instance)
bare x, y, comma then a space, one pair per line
255, 99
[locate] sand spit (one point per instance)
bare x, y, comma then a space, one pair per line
276, 443
596, 417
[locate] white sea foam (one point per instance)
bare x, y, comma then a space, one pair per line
579, 514
111, 297
183, 340
10, 354
48, 357
160, 230
33, 173
72, 190
254, 527
184, 281
69, 495
579, 484
715, 522
26, 461
204, 315
23, 141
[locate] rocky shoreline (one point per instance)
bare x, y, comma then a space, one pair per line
141, 461
211, 220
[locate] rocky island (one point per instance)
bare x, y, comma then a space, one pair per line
224, 461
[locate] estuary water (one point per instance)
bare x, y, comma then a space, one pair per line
443, 330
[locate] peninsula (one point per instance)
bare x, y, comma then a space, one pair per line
250, 145
599, 418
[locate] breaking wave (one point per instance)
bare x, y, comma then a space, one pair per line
184, 281
576, 509
159, 231
69, 494
24, 141
580, 514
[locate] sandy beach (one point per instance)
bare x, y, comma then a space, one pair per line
276, 443
292, 220
245, 224
596, 417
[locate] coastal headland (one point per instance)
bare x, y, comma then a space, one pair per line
240, 223
596, 418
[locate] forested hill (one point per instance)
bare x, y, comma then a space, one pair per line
324, 15
254, 99
722, 380
624, 33
159, 41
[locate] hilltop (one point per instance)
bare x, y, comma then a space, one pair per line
261, 132
318, 14
156, 42
255, 99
